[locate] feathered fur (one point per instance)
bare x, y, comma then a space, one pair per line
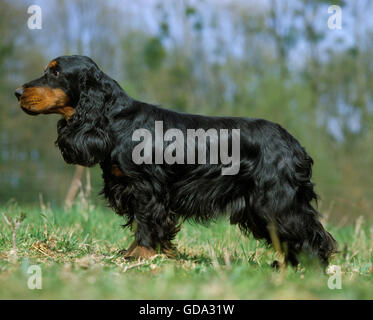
272, 189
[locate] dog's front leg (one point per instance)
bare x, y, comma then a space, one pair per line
148, 214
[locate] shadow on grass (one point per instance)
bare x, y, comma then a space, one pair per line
220, 259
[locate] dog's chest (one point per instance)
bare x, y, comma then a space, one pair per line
117, 188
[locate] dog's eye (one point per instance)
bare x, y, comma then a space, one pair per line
55, 72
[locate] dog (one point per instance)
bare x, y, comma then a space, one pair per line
270, 196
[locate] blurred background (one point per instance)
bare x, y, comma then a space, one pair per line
270, 59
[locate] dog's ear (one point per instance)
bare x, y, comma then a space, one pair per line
84, 139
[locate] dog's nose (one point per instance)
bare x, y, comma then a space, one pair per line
18, 93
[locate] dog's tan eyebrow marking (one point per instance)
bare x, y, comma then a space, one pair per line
52, 64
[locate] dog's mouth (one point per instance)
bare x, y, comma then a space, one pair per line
29, 112
45, 100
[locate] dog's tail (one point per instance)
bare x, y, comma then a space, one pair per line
317, 240
310, 235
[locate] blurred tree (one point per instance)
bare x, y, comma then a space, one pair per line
270, 59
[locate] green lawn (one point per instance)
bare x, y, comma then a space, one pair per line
77, 253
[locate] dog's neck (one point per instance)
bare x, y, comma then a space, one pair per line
116, 96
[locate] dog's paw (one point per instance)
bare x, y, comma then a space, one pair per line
140, 252
127, 252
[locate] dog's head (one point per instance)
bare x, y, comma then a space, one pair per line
60, 88
76, 88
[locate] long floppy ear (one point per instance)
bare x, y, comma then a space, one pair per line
83, 139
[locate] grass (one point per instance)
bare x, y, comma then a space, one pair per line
77, 253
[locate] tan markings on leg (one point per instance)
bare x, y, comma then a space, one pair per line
142, 252
132, 246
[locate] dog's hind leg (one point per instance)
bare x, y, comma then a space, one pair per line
289, 219
302, 232
299, 231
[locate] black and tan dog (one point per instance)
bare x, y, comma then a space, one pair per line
271, 191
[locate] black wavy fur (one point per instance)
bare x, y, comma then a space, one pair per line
272, 188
